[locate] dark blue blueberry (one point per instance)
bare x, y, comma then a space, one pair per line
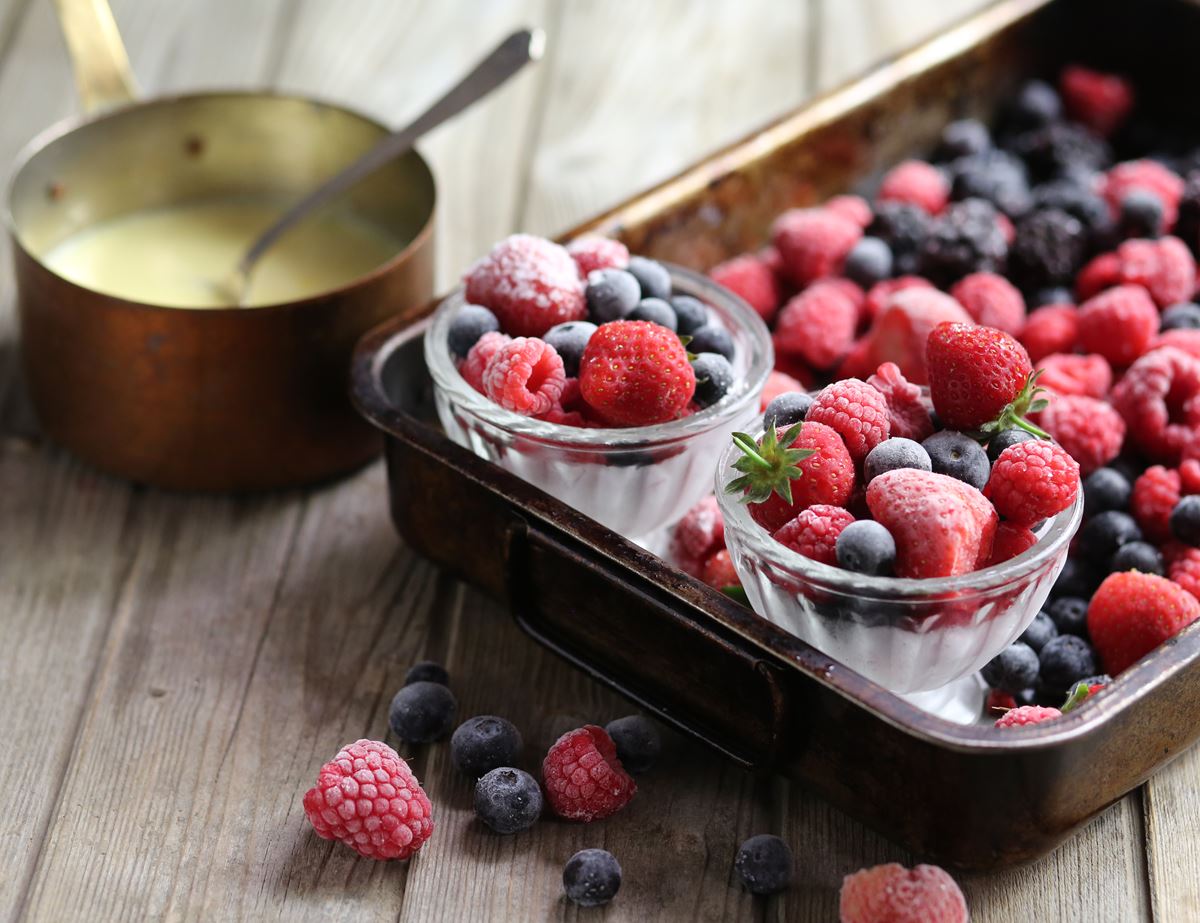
611, 294
1070, 615
427, 671
422, 712
1013, 669
1185, 520
638, 741
653, 277
1105, 532
764, 864
959, 456
690, 314
1138, 556
656, 311
1036, 103
1040, 630
483, 743
963, 137
787, 409
1077, 578
712, 339
470, 323
1065, 660
591, 877
714, 378
1005, 438
1105, 489
569, 341
1051, 295
1182, 316
893, 453
1141, 215
866, 547
869, 262
508, 800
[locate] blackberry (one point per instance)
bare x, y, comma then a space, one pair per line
869, 262
961, 138
714, 378
483, 743
427, 671
1005, 438
1069, 614
656, 311
592, 877
712, 339
787, 409
1187, 224
764, 864
652, 276
866, 547
966, 238
690, 314
1185, 520
638, 742
959, 456
1036, 103
1182, 316
996, 177
1013, 669
1141, 215
569, 341
904, 228
1082, 203
1077, 579
1105, 489
470, 323
1065, 660
508, 800
1052, 149
1040, 630
1140, 556
422, 712
1105, 532
1049, 247
611, 295
893, 453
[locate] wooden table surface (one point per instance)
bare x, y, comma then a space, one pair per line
174, 669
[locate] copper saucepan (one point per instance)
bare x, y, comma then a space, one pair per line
214, 398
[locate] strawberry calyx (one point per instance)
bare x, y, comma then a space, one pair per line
767, 467
1076, 696
1027, 401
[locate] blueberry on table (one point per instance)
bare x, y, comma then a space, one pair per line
1105, 489
569, 341
656, 311
1040, 631
866, 547
611, 294
1138, 556
422, 712
1141, 215
690, 314
894, 453
786, 409
959, 456
508, 800
427, 671
1185, 520
592, 877
1182, 316
1069, 614
714, 378
470, 323
483, 743
712, 339
1105, 532
868, 263
638, 742
764, 864
1066, 660
653, 277
1013, 669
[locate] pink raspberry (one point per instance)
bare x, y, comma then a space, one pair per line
917, 183
1026, 715
698, 535
750, 278
480, 355
1118, 324
1189, 476
719, 572
814, 532
907, 414
1159, 397
1090, 430
1103, 271
1186, 340
1155, 493
526, 376
583, 778
893, 894
817, 325
1149, 175
1071, 373
592, 252
852, 207
902, 330
813, 243
881, 292
1052, 329
856, 411
1100, 101
1032, 480
992, 301
1163, 267
529, 283
1183, 567
778, 383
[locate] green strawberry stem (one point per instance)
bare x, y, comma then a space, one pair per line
1027, 401
767, 467
1079, 692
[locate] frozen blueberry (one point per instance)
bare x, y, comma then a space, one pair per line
1182, 316
656, 311
962, 138
1065, 660
422, 712
869, 262
653, 277
690, 314
638, 741
1013, 669
508, 800
787, 409
1040, 630
1138, 556
592, 877
1077, 579
1185, 520
569, 341
959, 456
1141, 215
1037, 103
1105, 489
427, 671
714, 378
764, 864
866, 547
1052, 295
1070, 615
893, 453
1105, 532
712, 339
482, 743
611, 295
470, 323
1005, 438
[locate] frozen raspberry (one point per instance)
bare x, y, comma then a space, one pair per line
1187, 341
907, 413
593, 252
529, 283
1118, 324
877, 298
893, 894
368, 798
752, 279
778, 383
813, 243
1104, 271
1133, 613
719, 571
814, 532
636, 373
1189, 476
1143, 174
480, 355
1010, 541
699, 534
856, 411
583, 777
1100, 101
903, 329
857, 363
991, 300
1033, 480
1163, 267
1183, 566
1052, 329
1027, 714
1155, 493
1070, 373
852, 207
817, 326
525, 376
846, 288
917, 183
1090, 430
1159, 397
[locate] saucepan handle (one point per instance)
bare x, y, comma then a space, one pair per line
651, 645
101, 65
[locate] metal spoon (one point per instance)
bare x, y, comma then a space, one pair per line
506, 60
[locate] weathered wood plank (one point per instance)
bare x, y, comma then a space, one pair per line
1172, 805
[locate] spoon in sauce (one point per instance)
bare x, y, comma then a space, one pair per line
507, 59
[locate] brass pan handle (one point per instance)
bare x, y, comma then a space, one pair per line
102, 69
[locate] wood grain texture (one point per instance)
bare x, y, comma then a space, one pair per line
1172, 805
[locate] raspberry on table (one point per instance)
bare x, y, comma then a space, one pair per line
1089, 429
525, 376
1071, 373
368, 798
817, 326
1032, 481
1133, 613
484, 743
917, 183
813, 243
592, 252
637, 740
749, 277
479, 356
1100, 101
1049, 330
508, 800
591, 877
1155, 493
1143, 174
764, 864
907, 414
893, 894
856, 411
1165, 268
814, 532
1118, 324
529, 283
991, 300
1159, 397
1026, 715
699, 534
635, 373
583, 777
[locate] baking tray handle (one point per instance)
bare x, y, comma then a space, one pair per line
654, 650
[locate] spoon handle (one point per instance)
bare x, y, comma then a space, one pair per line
506, 60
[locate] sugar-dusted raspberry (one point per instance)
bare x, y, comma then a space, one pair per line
1118, 324
814, 532
1155, 493
1189, 476
1048, 330
877, 298
991, 300
368, 798
1010, 541
1143, 174
827, 476
1183, 566
1026, 715
529, 283
480, 355
1100, 101
856, 411
699, 534
718, 571
907, 413
592, 252
846, 288
583, 777
1103, 271
1072, 373
1159, 397
917, 183
1164, 267
1133, 613
902, 330
1187, 341
813, 243
817, 326
893, 894
525, 376
779, 383
636, 373
1033, 480
852, 207
1089, 429
751, 278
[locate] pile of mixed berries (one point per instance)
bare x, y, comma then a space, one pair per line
587, 336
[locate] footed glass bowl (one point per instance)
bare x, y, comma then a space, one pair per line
906, 635
635, 480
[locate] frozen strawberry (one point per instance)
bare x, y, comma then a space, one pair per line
979, 376
992, 301
817, 326
1132, 613
636, 373
813, 243
529, 283
902, 330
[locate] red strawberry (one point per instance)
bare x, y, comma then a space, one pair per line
1132, 613
635, 373
1033, 480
